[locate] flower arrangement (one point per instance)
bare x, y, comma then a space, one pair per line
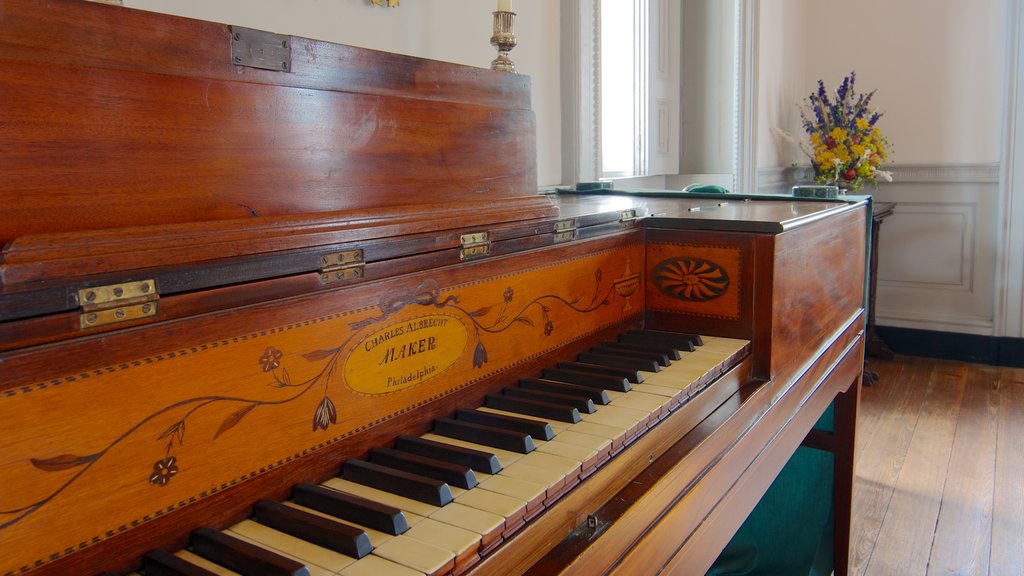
845, 147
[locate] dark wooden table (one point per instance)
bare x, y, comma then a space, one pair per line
875, 346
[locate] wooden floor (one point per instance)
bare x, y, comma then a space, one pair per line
939, 483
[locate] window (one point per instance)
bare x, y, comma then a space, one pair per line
621, 115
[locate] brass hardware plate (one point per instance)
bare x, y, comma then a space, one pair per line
260, 49
627, 217
475, 245
341, 266
103, 305
118, 314
566, 236
565, 230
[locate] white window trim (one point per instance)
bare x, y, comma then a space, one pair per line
581, 149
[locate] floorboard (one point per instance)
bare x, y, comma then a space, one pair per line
963, 535
1007, 557
939, 485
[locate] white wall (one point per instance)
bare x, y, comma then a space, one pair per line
450, 30
939, 67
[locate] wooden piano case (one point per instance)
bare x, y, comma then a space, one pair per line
233, 260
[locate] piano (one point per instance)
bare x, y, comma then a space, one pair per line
272, 305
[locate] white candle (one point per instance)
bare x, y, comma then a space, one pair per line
504, 5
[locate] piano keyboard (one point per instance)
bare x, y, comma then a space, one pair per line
436, 504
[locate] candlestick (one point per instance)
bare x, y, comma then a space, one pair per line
504, 36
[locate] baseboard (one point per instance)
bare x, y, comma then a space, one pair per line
996, 351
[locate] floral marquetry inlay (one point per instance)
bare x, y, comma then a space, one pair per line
697, 279
692, 279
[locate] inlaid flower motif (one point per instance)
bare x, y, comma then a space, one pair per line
325, 415
549, 327
163, 471
691, 279
271, 359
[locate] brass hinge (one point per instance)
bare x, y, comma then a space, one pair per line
347, 265
627, 217
103, 305
565, 230
475, 245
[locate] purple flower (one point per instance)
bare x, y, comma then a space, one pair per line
271, 359
325, 415
163, 471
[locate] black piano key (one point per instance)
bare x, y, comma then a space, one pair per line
581, 403
630, 375
533, 408
243, 557
452, 474
412, 486
535, 428
479, 461
695, 339
324, 532
163, 563
616, 361
589, 379
667, 349
653, 355
355, 509
486, 435
643, 339
673, 337
597, 396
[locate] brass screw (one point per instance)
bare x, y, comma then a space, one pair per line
119, 314
118, 291
90, 296
144, 287
146, 308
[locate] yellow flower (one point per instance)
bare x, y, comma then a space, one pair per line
862, 124
838, 134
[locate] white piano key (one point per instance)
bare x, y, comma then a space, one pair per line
576, 452
528, 491
376, 566
655, 389
285, 544
650, 403
485, 524
508, 507
457, 540
611, 415
204, 563
277, 546
553, 482
559, 464
597, 443
417, 555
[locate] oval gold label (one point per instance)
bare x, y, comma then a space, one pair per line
405, 354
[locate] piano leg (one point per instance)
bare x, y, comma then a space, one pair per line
846, 406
